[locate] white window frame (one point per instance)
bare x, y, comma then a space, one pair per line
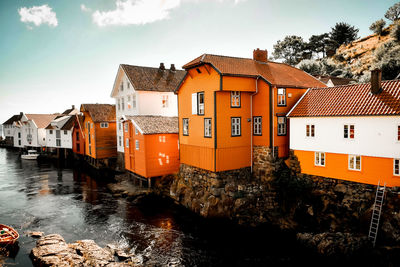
348, 131
120, 126
119, 104
120, 140
126, 127
235, 99
122, 86
51, 132
200, 106
310, 130
164, 101
185, 126
398, 133
257, 125
65, 132
207, 127
396, 162
129, 102
134, 101
122, 103
281, 96
127, 142
136, 131
354, 167
236, 126
137, 145
103, 124
319, 159
281, 127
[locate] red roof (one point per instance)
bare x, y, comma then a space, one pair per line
276, 73
349, 100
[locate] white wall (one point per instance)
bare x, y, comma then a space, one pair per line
16, 138
150, 103
66, 139
374, 135
29, 128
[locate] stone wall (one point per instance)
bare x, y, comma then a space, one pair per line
235, 194
264, 164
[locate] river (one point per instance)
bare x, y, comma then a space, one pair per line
43, 196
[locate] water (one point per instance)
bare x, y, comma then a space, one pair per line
38, 196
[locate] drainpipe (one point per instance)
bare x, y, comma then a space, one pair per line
272, 117
251, 129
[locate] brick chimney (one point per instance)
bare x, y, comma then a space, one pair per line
162, 67
260, 55
173, 67
376, 78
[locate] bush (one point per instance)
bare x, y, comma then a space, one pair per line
387, 58
395, 33
377, 26
310, 66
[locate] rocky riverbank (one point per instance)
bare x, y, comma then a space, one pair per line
52, 250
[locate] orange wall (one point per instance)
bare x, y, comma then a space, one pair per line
373, 169
75, 141
158, 154
92, 151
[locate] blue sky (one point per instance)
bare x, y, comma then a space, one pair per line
57, 53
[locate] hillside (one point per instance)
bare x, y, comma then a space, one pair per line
360, 54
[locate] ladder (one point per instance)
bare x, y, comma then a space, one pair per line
376, 212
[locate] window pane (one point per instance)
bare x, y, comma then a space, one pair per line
351, 163
351, 131
323, 159
346, 131
358, 162
312, 131
316, 158
307, 130
397, 167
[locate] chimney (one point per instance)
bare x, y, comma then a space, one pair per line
172, 67
73, 106
260, 55
376, 78
162, 67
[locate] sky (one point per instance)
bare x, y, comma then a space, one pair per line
58, 53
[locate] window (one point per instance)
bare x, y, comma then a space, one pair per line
51, 131
65, 132
133, 101
396, 167
319, 159
185, 126
77, 136
19, 135
200, 103
281, 125
122, 86
120, 125
164, 101
355, 162
257, 126
310, 130
126, 127
128, 85
235, 126
398, 133
119, 104
120, 140
137, 144
19, 142
122, 103
348, 131
235, 99
207, 127
136, 131
58, 142
281, 97
129, 102
127, 142
103, 124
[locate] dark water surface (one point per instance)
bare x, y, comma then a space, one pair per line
38, 196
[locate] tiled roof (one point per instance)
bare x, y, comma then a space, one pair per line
153, 79
349, 100
41, 120
69, 124
276, 73
100, 112
155, 124
13, 119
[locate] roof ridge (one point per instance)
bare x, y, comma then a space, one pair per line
348, 85
147, 67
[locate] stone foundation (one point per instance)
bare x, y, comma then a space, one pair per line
120, 166
264, 162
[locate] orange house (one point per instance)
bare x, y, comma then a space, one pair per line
349, 132
151, 145
78, 137
230, 107
99, 131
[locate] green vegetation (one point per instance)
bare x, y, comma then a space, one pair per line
393, 13
377, 26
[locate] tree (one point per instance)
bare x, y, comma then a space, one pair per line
387, 58
342, 33
395, 33
319, 43
393, 13
291, 49
377, 26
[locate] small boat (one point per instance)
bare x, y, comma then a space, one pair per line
32, 154
8, 236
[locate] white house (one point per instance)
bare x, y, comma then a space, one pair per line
141, 90
9, 128
33, 132
349, 132
59, 130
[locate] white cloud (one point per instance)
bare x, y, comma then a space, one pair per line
38, 15
129, 12
85, 9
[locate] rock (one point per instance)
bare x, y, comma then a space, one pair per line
52, 250
340, 188
34, 234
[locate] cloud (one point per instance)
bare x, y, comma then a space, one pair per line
137, 12
38, 15
85, 9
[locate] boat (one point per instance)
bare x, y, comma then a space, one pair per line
8, 236
32, 154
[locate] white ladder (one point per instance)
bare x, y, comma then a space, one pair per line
376, 212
